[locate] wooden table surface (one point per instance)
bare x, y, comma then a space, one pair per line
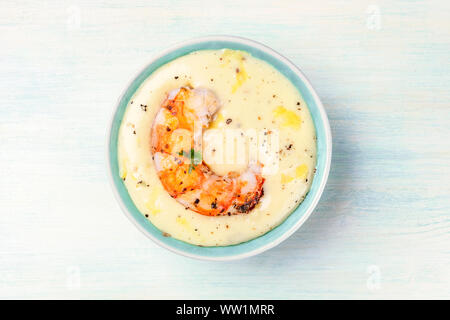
382, 228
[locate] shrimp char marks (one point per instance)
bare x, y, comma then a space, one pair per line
176, 132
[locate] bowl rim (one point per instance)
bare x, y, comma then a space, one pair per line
323, 118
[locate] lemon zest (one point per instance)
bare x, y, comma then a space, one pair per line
286, 178
301, 171
287, 117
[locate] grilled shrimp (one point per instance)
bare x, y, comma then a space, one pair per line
176, 145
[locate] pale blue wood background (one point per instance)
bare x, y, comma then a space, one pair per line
382, 229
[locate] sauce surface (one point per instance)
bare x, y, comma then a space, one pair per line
260, 108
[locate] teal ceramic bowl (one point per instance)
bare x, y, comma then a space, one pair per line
295, 219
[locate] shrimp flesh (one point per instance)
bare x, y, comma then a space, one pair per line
175, 144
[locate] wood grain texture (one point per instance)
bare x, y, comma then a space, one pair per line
382, 228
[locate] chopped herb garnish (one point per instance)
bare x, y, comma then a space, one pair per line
194, 156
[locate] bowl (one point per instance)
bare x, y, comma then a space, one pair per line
294, 220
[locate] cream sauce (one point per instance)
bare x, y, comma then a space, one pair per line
258, 99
